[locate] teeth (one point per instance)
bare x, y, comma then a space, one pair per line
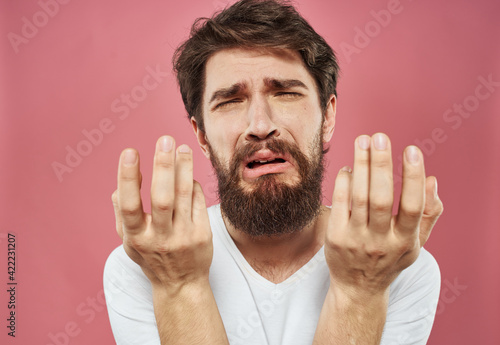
277, 160
262, 162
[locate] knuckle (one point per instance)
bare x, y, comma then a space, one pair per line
359, 201
164, 207
380, 206
406, 247
202, 241
180, 245
413, 173
164, 248
134, 242
376, 251
129, 209
354, 246
185, 161
333, 241
128, 177
439, 208
363, 159
412, 212
381, 161
114, 196
183, 192
164, 163
341, 195
162, 204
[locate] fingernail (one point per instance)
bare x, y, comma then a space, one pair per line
166, 144
347, 169
184, 148
412, 155
364, 142
129, 157
380, 141
436, 189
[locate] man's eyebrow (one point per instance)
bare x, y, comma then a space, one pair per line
284, 83
227, 92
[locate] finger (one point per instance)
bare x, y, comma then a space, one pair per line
129, 196
183, 184
199, 213
432, 210
341, 200
381, 186
163, 184
360, 181
118, 218
412, 201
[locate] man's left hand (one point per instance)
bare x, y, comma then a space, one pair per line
366, 245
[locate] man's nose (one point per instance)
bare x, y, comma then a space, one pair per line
260, 121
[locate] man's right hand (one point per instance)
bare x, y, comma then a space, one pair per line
173, 244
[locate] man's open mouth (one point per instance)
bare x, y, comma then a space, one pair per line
265, 162
258, 163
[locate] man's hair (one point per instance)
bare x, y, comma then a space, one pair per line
252, 24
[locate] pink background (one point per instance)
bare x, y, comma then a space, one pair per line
401, 80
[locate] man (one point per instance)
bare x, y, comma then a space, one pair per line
270, 264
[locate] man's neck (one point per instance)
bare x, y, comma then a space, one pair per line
277, 258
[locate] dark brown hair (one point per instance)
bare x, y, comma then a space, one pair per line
251, 24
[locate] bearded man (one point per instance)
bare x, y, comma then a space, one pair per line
270, 264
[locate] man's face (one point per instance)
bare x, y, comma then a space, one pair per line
264, 130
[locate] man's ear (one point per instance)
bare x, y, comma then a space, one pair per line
202, 139
329, 123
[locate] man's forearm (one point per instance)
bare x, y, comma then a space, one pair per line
352, 320
188, 315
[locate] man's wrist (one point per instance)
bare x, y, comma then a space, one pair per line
352, 316
181, 288
358, 300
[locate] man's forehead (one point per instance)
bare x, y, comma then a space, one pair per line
239, 66
287, 55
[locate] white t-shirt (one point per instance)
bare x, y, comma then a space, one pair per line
256, 311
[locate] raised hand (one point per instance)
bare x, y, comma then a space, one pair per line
366, 246
173, 244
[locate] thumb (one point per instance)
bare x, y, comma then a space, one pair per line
432, 209
118, 218
199, 209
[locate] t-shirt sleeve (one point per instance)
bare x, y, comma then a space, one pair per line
413, 302
129, 301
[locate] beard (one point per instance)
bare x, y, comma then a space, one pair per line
271, 207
